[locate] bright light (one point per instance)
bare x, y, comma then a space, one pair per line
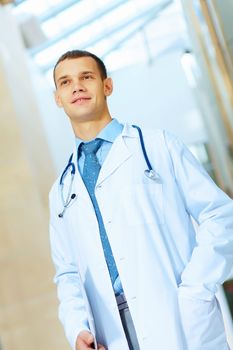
189, 65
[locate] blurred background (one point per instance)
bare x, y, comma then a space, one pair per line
172, 67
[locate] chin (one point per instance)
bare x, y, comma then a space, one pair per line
83, 118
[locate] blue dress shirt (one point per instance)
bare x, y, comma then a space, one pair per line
109, 133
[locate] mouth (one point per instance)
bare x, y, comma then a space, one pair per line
80, 100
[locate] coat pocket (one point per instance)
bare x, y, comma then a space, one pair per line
202, 324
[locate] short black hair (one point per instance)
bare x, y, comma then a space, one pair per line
82, 53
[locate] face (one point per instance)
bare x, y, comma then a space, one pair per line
81, 91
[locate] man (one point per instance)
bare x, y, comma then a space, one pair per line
131, 272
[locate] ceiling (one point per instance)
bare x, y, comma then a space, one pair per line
120, 32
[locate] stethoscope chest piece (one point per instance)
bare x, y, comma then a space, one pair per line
152, 175
69, 198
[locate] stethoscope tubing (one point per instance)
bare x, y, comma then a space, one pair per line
150, 173
143, 147
70, 164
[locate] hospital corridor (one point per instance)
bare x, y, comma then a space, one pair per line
169, 90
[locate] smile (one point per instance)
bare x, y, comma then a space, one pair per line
81, 100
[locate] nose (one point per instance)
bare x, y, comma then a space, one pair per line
78, 87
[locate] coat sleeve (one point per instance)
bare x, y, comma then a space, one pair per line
212, 258
72, 308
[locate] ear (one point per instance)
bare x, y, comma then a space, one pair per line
57, 99
108, 86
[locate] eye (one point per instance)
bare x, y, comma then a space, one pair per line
87, 77
64, 82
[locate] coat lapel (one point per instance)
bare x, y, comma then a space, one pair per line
79, 185
118, 154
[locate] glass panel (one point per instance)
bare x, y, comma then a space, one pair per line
74, 14
130, 53
119, 15
54, 2
123, 45
35, 7
52, 53
86, 33
51, 27
27, 7
140, 5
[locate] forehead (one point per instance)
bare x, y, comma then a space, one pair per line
75, 66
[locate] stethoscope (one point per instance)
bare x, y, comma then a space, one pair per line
69, 200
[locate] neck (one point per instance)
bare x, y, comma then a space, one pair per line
88, 130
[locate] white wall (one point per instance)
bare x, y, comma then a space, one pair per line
158, 95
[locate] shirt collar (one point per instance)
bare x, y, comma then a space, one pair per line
109, 133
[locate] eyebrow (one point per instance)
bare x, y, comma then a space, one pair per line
62, 77
82, 73
87, 72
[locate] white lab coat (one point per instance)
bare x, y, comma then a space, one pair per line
169, 272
